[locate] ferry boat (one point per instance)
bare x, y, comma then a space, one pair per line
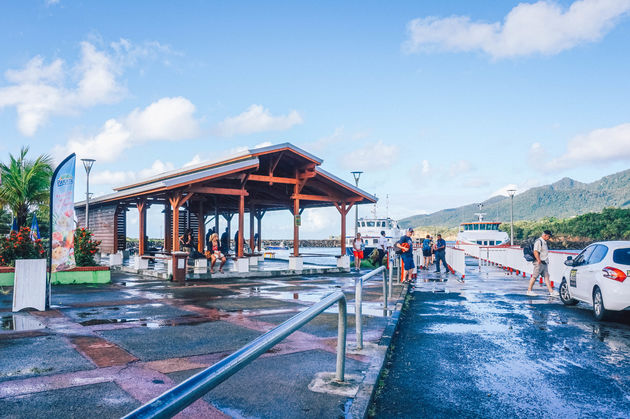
483, 233
370, 229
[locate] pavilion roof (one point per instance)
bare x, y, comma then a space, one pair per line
268, 175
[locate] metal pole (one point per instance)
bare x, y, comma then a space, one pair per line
511, 192
358, 304
385, 290
341, 340
390, 262
87, 203
356, 175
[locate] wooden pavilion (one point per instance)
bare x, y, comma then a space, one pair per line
279, 177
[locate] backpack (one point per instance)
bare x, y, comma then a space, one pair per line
528, 250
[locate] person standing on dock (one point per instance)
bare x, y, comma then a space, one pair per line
405, 244
357, 251
426, 251
440, 254
382, 248
541, 262
225, 242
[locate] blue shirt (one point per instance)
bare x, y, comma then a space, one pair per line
406, 239
441, 245
426, 244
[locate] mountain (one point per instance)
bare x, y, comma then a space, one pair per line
562, 199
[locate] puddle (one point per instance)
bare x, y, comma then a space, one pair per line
20, 322
95, 322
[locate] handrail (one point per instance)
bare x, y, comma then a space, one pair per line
179, 397
358, 300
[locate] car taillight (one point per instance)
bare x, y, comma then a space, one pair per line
614, 273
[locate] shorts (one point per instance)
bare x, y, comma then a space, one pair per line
540, 269
217, 254
358, 254
426, 253
408, 261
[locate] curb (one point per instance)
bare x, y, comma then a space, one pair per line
361, 402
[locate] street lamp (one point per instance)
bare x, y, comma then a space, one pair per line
511, 192
356, 175
87, 163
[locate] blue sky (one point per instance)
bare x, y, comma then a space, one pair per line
439, 103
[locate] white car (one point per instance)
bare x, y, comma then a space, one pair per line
599, 276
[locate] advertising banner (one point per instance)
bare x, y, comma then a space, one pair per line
62, 216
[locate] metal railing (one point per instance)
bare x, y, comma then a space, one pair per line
181, 396
358, 300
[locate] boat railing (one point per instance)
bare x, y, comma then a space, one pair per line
181, 396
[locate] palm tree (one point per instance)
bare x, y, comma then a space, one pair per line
25, 183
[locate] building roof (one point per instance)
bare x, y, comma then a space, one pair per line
269, 175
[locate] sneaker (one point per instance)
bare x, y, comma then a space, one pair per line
531, 294
553, 294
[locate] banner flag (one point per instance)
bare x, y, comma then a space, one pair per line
62, 216
35, 229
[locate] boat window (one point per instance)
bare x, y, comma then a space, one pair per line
477, 228
622, 256
491, 242
370, 223
374, 241
479, 242
598, 254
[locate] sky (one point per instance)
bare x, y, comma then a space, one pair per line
439, 103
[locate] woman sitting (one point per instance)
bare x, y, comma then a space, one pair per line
215, 253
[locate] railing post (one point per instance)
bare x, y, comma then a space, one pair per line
358, 303
341, 341
385, 289
390, 262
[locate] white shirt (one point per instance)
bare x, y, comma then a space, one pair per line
357, 244
540, 246
382, 243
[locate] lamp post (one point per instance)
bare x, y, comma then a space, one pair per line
356, 175
87, 163
511, 192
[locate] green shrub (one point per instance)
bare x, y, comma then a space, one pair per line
84, 247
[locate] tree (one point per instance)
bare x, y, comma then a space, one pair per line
25, 184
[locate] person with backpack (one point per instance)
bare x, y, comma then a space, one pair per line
541, 262
426, 252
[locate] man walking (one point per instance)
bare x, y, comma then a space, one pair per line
440, 254
426, 251
541, 262
405, 244
382, 248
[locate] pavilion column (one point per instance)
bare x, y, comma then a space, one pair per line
142, 221
168, 239
216, 218
343, 209
259, 216
296, 228
201, 231
177, 200
252, 216
241, 224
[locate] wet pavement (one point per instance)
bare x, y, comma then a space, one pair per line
110, 348
485, 349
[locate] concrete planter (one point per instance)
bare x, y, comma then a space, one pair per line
79, 275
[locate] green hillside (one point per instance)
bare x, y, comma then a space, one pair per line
563, 199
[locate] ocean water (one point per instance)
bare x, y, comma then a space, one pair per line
313, 255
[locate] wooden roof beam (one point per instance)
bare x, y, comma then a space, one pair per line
218, 191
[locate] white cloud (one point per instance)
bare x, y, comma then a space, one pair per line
257, 119
543, 27
108, 177
503, 191
460, 167
167, 119
426, 167
39, 91
598, 146
372, 156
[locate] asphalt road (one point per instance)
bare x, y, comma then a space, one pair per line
485, 349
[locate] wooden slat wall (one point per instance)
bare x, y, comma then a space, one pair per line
101, 224
194, 223
121, 236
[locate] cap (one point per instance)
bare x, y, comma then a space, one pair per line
410, 230
548, 232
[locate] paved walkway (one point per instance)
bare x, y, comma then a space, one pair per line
110, 348
485, 349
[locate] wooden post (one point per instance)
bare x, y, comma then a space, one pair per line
177, 200
216, 218
252, 216
241, 224
296, 228
142, 211
343, 209
168, 238
201, 231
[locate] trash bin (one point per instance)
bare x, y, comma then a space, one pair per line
179, 266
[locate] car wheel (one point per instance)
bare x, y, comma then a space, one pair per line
599, 310
565, 296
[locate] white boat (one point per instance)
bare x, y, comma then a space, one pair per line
370, 229
480, 232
